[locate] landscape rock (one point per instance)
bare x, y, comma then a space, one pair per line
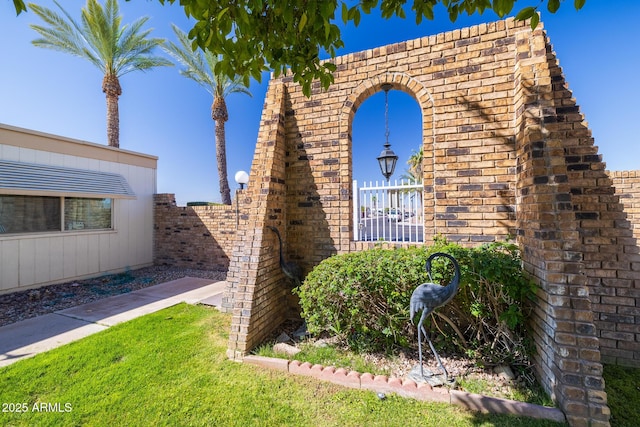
504, 372
22, 305
325, 342
301, 332
286, 349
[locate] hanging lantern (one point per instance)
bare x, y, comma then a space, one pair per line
387, 159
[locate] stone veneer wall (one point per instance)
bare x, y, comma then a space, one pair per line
199, 237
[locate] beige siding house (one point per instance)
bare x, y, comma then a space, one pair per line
71, 209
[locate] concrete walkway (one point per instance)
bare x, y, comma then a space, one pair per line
39, 334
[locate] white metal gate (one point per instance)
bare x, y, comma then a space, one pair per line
386, 212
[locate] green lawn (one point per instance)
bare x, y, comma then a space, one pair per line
169, 368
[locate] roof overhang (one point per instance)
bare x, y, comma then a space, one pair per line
31, 179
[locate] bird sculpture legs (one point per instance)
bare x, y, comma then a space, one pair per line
435, 353
427, 297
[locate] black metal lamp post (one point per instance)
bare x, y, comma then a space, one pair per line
387, 159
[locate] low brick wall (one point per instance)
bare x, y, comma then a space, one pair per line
193, 236
627, 184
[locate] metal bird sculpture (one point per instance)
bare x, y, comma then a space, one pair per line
429, 296
290, 269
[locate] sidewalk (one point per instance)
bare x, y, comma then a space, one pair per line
39, 334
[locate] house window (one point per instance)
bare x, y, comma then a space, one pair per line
29, 214
33, 214
87, 214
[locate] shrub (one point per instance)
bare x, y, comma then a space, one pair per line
364, 296
492, 306
363, 293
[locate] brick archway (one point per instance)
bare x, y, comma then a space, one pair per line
420, 93
511, 155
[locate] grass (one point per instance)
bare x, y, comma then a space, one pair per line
623, 395
534, 394
622, 383
329, 356
170, 369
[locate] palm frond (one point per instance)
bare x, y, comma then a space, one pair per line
62, 35
97, 27
113, 48
225, 85
200, 67
135, 54
193, 63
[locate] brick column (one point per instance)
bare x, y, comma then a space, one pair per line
256, 293
549, 230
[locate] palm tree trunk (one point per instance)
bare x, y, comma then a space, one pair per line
220, 115
111, 87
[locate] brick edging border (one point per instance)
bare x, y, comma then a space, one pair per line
407, 388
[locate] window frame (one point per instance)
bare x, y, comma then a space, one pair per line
62, 225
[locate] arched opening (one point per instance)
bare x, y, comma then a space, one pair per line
368, 133
390, 210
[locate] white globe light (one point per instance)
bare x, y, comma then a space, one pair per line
242, 177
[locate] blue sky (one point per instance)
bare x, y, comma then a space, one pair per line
167, 115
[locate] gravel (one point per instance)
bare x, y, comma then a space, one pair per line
399, 365
22, 305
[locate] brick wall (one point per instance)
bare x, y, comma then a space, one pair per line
468, 139
627, 184
258, 295
199, 237
557, 168
506, 152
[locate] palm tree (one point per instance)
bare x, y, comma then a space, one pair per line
414, 173
103, 40
201, 68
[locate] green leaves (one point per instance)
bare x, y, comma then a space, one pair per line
365, 295
303, 22
425, 8
253, 36
503, 7
526, 13
350, 14
529, 13
535, 19
19, 6
553, 5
